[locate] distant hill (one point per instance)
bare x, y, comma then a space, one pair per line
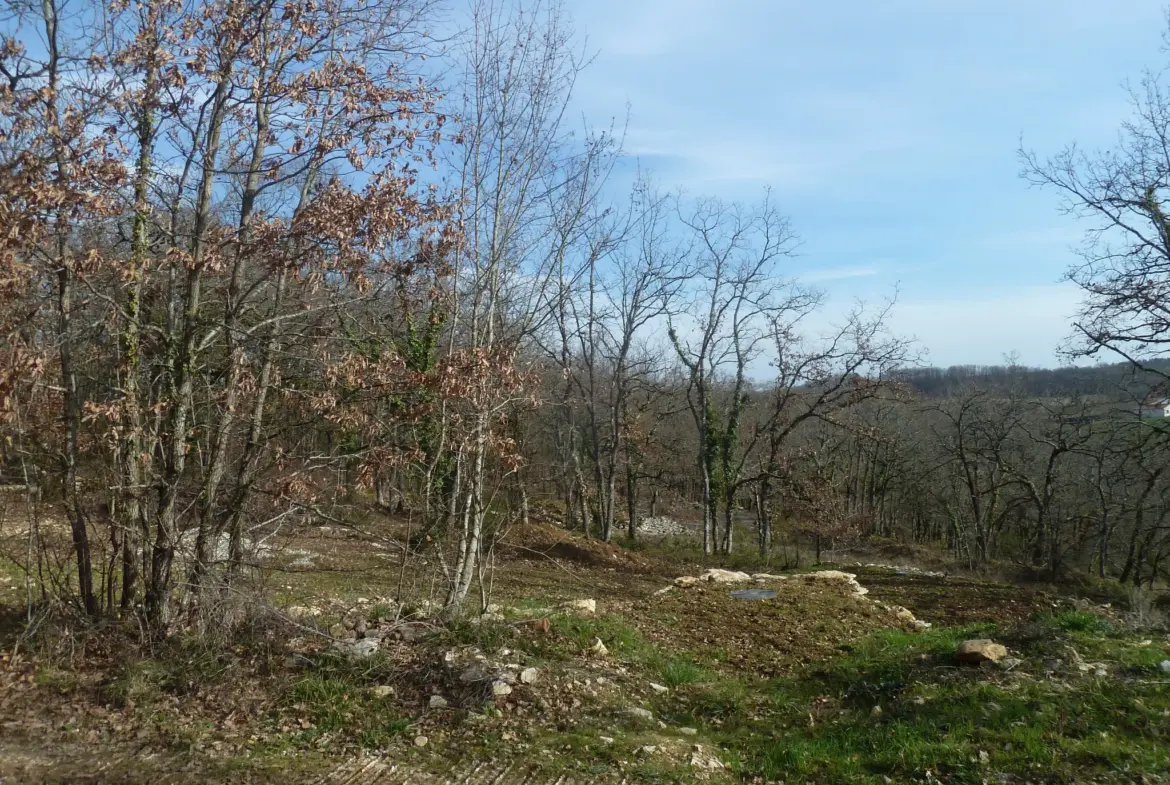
1116, 380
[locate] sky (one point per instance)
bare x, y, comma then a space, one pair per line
888, 131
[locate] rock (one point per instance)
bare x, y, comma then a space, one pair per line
1010, 663
337, 631
421, 741
763, 576
359, 650
661, 690
1165, 666
492, 617
904, 614
648, 749
360, 627
725, 576
686, 580
581, 606
598, 648
382, 691
661, 526
831, 575
437, 702
703, 760
921, 625
980, 650
664, 590
474, 672
984, 758
688, 731
501, 688
529, 676
606, 739
638, 713
876, 711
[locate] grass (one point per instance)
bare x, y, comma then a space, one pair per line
337, 706
963, 725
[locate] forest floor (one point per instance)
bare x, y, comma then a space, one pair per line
815, 685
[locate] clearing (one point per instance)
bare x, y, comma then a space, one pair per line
349, 679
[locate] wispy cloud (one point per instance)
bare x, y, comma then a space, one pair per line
820, 275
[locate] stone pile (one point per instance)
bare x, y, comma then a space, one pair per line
661, 526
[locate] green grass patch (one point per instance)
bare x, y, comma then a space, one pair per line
895, 706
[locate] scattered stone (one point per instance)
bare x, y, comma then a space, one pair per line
382, 691
438, 702
360, 627
763, 576
359, 650
581, 606
606, 739
492, 617
1100, 672
725, 576
638, 713
664, 590
648, 749
980, 650
598, 648
337, 631
501, 688
1010, 663
529, 676
904, 614
984, 758
661, 690
661, 526
1165, 666
421, 741
688, 731
921, 625
686, 580
703, 760
876, 711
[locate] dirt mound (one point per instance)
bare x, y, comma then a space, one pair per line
542, 541
806, 622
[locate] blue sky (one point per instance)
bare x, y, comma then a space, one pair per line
888, 131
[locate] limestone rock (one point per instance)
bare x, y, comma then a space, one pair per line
904, 614
501, 688
661, 690
688, 731
980, 650
581, 606
704, 760
437, 702
598, 647
529, 676
725, 576
638, 713
358, 650
1165, 666
686, 580
421, 741
763, 576
382, 691
831, 575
